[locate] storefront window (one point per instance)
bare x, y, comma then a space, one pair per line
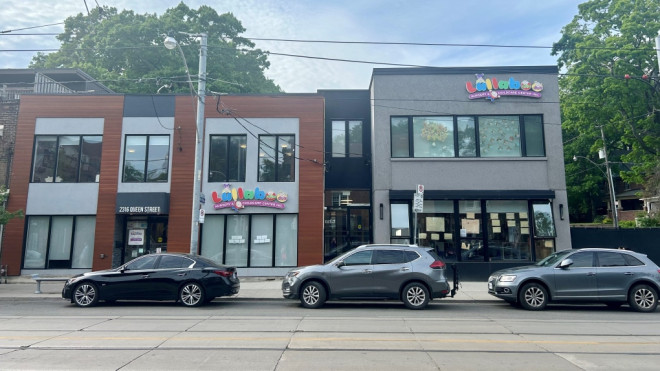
544, 225
51, 242
213, 236
508, 230
286, 244
237, 242
433, 136
543, 248
261, 250
400, 137
36, 242
83, 242
467, 139
471, 240
435, 228
499, 136
59, 246
400, 232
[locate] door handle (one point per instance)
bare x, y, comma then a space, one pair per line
591, 274
404, 269
145, 276
367, 271
181, 274
629, 274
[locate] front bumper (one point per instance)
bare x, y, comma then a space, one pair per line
289, 289
502, 290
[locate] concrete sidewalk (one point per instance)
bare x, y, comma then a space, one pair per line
252, 288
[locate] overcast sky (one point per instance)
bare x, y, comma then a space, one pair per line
495, 22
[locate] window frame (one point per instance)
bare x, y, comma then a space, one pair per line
47, 239
278, 154
227, 154
348, 139
56, 160
522, 131
145, 169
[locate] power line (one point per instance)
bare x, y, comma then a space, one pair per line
30, 28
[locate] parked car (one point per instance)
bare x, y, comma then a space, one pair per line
609, 276
414, 275
192, 280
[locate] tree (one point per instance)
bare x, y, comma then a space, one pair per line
6, 216
609, 55
125, 51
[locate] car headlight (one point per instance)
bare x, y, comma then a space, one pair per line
507, 278
291, 277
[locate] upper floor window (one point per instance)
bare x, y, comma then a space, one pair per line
467, 136
146, 158
67, 158
227, 158
276, 158
346, 138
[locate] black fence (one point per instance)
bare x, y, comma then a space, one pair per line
642, 240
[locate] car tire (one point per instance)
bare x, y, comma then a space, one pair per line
533, 296
415, 296
191, 294
86, 294
643, 298
312, 295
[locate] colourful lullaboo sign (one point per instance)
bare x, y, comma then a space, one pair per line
493, 88
239, 198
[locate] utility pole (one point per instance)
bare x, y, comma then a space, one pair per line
610, 181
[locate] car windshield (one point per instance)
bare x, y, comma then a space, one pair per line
553, 258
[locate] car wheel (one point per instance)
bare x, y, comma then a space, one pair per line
415, 296
191, 294
643, 298
86, 294
312, 295
533, 296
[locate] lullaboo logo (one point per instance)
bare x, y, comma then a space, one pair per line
492, 88
238, 198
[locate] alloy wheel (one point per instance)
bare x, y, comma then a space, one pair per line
311, 294
416, 296
534, 297
85, 295
191, 294
644, 298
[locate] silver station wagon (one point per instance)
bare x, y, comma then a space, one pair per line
412, 274
609, 276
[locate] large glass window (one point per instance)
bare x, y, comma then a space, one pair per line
400, 137
433, 136
230, 239
52, 244
508, 230
400, 232
146, 158
66, 158
471, 235
435, 228
467, 137
227, 158
499, 136
276, 158
347, 139
534, 143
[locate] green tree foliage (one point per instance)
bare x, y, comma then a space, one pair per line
6, 216
608, 53
125, 51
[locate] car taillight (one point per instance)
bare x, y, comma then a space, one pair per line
437, 265
224, 273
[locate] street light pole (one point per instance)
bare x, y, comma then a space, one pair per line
610, 180
170, 43
608, 175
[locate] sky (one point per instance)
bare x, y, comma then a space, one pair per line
465, 22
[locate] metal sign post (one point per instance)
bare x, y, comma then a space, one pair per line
418, 207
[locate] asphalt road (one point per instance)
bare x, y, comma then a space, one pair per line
280, 335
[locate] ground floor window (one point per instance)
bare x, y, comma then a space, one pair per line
478, 230
257, 240
59, 242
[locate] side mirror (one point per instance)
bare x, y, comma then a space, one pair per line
340, 264
566, 263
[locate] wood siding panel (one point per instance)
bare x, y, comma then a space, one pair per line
110, 108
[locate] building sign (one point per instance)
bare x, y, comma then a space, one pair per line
493, 88
239, 198
143, 203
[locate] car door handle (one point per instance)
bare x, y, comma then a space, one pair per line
181, 274
404, 269
367, 271
591, 274
629, 274
145, 276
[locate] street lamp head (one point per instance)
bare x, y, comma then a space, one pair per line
574, 158
170, 42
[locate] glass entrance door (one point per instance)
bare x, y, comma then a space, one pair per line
345, 229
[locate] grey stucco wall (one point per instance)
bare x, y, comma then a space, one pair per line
440, 92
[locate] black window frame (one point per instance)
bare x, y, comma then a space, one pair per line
346, 153
278, 153
212, 177
56, 159
145, 174
522, 139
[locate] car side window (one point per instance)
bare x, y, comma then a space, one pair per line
582, 260
611, 259
632, 261
169, 261
146, 262
388, 257
410, 256
359, 258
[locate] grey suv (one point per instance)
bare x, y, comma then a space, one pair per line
414, 275
608, 276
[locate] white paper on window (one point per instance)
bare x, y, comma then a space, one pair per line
236, 240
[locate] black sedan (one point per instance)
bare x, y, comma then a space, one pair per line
192, 280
